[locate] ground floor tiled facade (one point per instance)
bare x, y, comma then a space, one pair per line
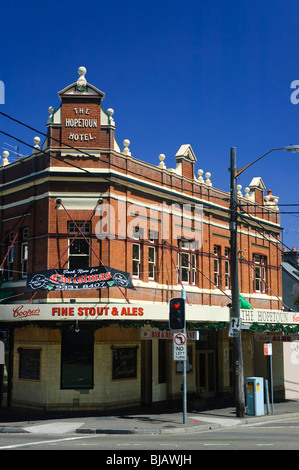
79, 363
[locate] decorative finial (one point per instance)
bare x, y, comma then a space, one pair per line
51, 110
5, 158
208, 181
239, 193
81, 82
247, 193
200, 178
110, 113
126, 150
36, 141
162, 158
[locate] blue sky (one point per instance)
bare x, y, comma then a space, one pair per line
212, 74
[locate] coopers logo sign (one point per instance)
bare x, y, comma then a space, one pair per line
22, 311
77, 312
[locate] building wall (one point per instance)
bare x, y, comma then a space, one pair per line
262, 364
49, 239
46, 392
96, 169
291, 370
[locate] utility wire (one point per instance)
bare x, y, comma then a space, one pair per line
42, 151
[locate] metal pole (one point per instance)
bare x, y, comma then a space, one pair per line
183, 295
238, 357
271, 378
267, 395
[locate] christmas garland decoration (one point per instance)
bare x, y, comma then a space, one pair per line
160, 325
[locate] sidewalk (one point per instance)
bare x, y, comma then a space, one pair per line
137, 421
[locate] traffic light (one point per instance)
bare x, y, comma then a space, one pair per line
177, 313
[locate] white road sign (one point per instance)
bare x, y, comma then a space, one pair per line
234, 327
180, 347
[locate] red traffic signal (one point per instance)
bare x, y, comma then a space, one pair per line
177, 313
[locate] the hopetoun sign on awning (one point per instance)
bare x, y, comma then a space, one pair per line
66, 279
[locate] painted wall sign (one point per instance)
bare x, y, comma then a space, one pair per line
81, 123
124, 364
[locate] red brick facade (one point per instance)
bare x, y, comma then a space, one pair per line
132, 188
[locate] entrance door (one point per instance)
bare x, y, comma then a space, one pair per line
206, 373
146, 373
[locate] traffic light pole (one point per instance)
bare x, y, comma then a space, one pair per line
235, 310
183, 295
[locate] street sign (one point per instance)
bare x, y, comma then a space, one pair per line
234, 327
164, 334
180, 347
267, 349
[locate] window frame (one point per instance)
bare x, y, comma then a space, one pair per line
186, 262
72, 230
136, 261
227, 270
260, 273
151, 263
217, 266
24, 259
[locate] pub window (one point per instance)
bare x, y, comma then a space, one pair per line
260, 263
217, 252
77, 358
153, 236
79, 254
151, 262
185, 266
85, 228
227, 268
24, 259
136, 260
186, 261
137, 233
193, 269
79, 250
25, 233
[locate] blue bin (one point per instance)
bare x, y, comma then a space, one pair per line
255, 396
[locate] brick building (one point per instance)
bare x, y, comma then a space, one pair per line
80, 201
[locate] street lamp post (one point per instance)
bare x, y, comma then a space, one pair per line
235, 305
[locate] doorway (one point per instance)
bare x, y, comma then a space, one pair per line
146, 373
206, 373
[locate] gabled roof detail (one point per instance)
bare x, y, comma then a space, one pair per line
258, 183
185, 151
